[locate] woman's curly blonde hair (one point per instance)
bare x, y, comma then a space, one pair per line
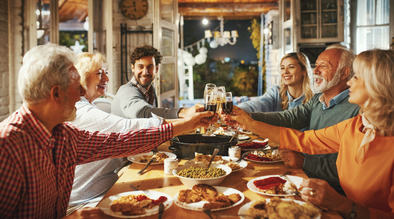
376, 68
89, 63
303, 61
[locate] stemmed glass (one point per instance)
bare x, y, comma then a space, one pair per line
210, 105
209, 99
220, 99
227, 105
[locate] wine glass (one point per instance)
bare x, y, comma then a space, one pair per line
227, 106
220, 98
208, 88
210, 105
208, 91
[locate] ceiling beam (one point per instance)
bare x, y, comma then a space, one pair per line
229, 11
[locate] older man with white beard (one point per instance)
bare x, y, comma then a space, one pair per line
329, 107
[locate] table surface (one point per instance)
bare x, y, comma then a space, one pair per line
155, 179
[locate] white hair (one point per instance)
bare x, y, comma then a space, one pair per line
43, 67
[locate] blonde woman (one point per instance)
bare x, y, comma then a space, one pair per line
93, 179
294, 88
364, 143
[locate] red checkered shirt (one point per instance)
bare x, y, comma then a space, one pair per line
31, 185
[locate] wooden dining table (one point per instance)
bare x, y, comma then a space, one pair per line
154, 179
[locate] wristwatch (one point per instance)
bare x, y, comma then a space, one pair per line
352, 214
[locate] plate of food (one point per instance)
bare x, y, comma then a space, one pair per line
203, 196
145, 157
275, 185
253, 145
144, 203
267, 208
218, 159
263, 156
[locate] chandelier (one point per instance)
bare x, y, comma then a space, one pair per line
221, 38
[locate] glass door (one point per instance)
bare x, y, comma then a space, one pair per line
329, 18
166, 41
309, 15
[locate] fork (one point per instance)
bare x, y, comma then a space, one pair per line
161, 209
207, 212
154, 151
242, 157
297, 193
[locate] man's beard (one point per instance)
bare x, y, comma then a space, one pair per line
146, 84
324, 85
69, 113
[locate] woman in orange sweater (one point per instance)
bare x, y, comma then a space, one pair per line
365, 143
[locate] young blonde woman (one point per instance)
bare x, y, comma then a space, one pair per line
294, 88
364, 143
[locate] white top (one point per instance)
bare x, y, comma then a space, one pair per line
96, 178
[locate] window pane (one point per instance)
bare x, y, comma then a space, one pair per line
287, 42
372, 37
43, 22
167, 77
383, 12
167, 9
168, 103
366, 12
74, 25
167, 42
287, 13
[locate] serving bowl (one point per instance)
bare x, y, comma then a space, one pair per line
190, 182
185, 146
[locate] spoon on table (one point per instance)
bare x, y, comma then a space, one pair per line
213, 156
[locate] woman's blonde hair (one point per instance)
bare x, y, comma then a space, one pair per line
89, 63
376, 68
303, 61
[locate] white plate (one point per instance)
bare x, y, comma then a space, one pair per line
295, 179
242, 137
151, 194
242, 163
136, 158
246, 132
244, 208
197, 206
256, 161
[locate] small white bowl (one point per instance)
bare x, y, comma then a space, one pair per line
190, 182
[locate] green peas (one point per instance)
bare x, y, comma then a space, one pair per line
201, 173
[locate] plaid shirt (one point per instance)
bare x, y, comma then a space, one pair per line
146, 91
32, 185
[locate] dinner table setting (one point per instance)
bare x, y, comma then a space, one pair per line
156, 183
214, 172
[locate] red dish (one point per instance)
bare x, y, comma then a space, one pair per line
257, 158
268, 183
253, 145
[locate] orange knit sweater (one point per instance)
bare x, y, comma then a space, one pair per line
370, 183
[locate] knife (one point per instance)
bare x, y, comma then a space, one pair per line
150, 161
161, 209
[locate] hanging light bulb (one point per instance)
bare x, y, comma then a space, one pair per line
205, 21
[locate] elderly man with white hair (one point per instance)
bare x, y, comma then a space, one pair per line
326, 108
39, 151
